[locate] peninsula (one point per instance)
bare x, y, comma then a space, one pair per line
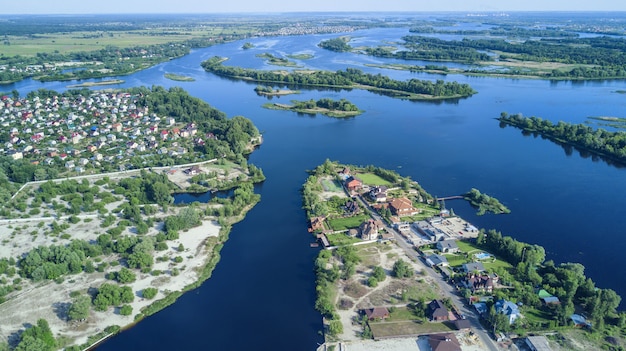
396, 266
93, 236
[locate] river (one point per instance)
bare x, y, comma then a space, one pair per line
262, 293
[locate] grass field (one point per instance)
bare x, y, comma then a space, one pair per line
341, 239
331, 185
373, 179
471, 249
90, 41
347, 223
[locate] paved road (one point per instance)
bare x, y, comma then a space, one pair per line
447, 289
451, 292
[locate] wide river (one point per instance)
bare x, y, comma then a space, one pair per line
261, 294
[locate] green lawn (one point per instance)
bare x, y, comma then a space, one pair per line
455, 260
468, 247
347, 223
537, 316
401, 314
341, 239
331, 185
471, 249
373, 179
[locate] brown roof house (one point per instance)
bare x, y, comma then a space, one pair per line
353, 184
377, 313
444, 342
370, 228
316, 224
402, 207
438, 311
479, 283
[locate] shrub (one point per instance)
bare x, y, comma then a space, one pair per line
149, 293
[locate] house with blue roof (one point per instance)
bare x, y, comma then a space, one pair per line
508, 309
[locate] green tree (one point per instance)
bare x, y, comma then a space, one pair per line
126, 310
79, 309
379, 273
125, 276
149, 293
401, 269
335, 327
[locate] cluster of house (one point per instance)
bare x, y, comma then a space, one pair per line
102, 127
399, 206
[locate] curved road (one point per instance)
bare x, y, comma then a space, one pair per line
447, 289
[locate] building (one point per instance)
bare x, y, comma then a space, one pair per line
378, 193
428, 230
317, 223
473, 267
538, 343
438, 311
444, 342
402, 206
353, 184
370, 228
435, 260
479, 283
508, 309
449, 246
377, 313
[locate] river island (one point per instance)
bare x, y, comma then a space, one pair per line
397, 268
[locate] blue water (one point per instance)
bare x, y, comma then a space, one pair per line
262, 293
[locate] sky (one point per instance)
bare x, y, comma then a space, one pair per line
264, 6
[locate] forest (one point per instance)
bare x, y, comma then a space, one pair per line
350, 78
611, 145
567, 281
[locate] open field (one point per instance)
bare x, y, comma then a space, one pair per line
372, 179
390, 329
90, 41
347, 223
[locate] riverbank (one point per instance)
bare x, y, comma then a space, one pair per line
50, 300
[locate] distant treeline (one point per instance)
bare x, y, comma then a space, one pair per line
503, 30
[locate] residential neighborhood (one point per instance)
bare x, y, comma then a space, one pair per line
102, 131
468, 288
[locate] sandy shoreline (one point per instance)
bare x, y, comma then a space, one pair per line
50, 300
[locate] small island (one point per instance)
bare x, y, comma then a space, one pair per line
300, 56
277, 61
484, 202
337, 44
266, 90
179, 78
328, 107
95, 84
247, 46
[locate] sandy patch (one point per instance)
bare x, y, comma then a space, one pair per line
50, 300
